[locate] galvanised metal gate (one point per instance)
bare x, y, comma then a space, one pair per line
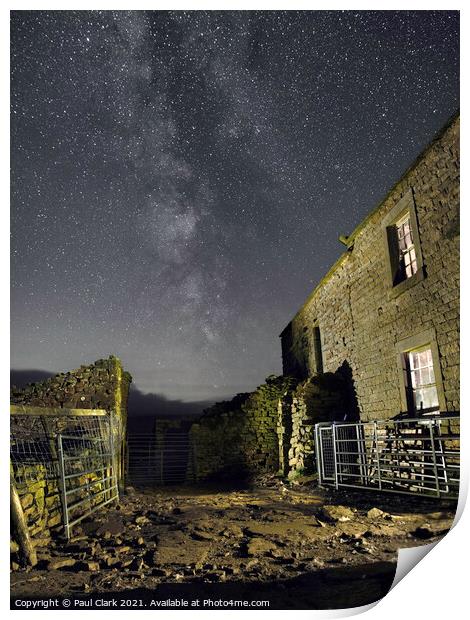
70, 451
325, 452
159, 460
419, 456
87, 472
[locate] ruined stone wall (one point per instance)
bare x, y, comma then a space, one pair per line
240, 437
41, 502
361, 322
102, 385
318, 399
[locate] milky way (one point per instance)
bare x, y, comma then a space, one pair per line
180, 179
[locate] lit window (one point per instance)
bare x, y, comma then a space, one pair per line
405, 260
421, 381
407, 253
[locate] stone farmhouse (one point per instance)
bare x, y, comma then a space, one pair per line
388, 309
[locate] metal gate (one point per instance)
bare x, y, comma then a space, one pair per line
325, 452
418, 456
87, 473
67, 451
159, 460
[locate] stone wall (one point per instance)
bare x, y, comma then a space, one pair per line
41, 502
270, 430
240, 437
319, 399
102, 385
361, 320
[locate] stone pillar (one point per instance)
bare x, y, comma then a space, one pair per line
121, 380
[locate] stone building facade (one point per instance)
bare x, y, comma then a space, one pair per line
387, 312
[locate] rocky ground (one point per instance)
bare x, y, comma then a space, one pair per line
298, 547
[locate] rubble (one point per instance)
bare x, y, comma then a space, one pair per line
89, 566
58, 563
219, 536
428, 530
375, 513
260, 546
337, 513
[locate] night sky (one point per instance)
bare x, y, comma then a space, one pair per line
180, 179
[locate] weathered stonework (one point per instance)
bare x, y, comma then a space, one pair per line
362, 318
284, 431
102, 385
41, 503
240, 437
319, 399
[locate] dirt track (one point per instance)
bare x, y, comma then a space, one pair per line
297, 548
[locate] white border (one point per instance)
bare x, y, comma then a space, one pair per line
438, 586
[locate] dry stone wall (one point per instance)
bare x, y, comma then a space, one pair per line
102, 385
361, 322
240, 437
41, 503
319, 399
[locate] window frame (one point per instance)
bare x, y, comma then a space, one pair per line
408, 249
405, 206
403, 347
317, 348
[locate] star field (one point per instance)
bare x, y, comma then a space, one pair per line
180, 179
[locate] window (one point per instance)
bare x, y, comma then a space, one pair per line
318, 358
402, 245
421, 386
421, 381
407, 265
